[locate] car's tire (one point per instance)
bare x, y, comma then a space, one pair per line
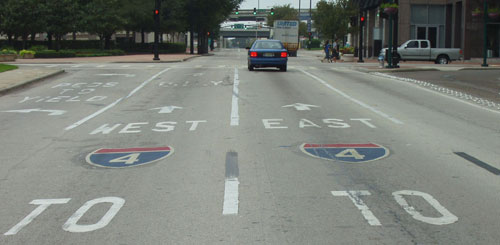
250, 67
442, 59
283, 68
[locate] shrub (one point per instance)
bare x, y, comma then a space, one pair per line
8, 51
315, 43
97, 52
347, 50
23, 52
388, 5
55, 54
38, 48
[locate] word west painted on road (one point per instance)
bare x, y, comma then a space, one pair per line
278, 123
73, 92
352, 153
190, 84
128, 157
71, 224
446, 217
134, 128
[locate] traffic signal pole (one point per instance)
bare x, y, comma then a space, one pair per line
157, 29
361, 25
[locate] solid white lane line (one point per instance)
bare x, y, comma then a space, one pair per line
235, 118
231, 197
74, 125
394, 120
100, 66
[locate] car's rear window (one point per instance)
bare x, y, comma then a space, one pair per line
268, 45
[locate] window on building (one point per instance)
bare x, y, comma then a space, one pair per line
428, 22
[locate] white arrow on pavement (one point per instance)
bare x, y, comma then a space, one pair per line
301, 107
51, 112
108, 75
166, 109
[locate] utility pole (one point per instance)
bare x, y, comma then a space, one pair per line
310, 24
157, 28
485, 43
298, 38
361, 25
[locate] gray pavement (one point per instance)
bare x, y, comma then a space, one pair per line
320, 154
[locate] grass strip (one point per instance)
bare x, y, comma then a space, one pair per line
4, 67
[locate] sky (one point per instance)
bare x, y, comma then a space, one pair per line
267, 4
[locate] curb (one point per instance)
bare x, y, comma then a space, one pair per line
29, 82
153, 61
381, 70
479, 68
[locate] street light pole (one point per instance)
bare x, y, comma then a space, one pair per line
485, 43
298, 37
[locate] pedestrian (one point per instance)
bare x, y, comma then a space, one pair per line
327, 51
335, 53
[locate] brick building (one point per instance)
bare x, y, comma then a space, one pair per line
446, 23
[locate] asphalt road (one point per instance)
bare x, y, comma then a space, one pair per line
211, 153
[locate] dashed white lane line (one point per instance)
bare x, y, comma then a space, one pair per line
76, 66
100, 66
97, 113
392, 119
230, 205
51, 66
235, 118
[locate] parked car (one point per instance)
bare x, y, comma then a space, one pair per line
421, 50
267, 53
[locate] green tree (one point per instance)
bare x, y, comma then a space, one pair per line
303, 29
332, 18
23, 18
104, 18
285, 12
61, 17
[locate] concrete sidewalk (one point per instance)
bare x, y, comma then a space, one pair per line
14, 79
138, 58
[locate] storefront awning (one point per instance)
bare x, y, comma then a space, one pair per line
368, 4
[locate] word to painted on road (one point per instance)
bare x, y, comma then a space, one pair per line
73, 92
446, 217
71, 224
127, 157
346, 152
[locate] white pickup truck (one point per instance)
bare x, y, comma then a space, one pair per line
421, 50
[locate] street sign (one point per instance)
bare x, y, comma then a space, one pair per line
127, 157
352, 153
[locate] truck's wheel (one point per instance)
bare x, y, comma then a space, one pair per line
442, 59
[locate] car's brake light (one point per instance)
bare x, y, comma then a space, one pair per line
284, 54
253, 54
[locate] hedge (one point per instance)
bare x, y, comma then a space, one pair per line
55, 54
164, 48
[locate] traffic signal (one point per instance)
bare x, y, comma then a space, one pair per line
310, 33
157, 12
237, 11
272, 11
208, 33
362, 19
254, 11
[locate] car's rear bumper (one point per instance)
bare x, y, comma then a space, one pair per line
267, 61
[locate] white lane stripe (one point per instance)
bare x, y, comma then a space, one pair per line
51, 66
235, 118
100, 66
231, 197
76, 66
394, 120
74, 125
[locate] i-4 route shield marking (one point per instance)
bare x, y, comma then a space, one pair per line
351, 153
127, 157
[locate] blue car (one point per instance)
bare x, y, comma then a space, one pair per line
267, 53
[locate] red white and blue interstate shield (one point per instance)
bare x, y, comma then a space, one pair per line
352, 153
128, 157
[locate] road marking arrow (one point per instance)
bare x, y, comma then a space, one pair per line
109, 75
51, 112
301, 107
166, 109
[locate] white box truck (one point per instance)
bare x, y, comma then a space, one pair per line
287, 31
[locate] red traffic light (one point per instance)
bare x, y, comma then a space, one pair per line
157, 12
362, 19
